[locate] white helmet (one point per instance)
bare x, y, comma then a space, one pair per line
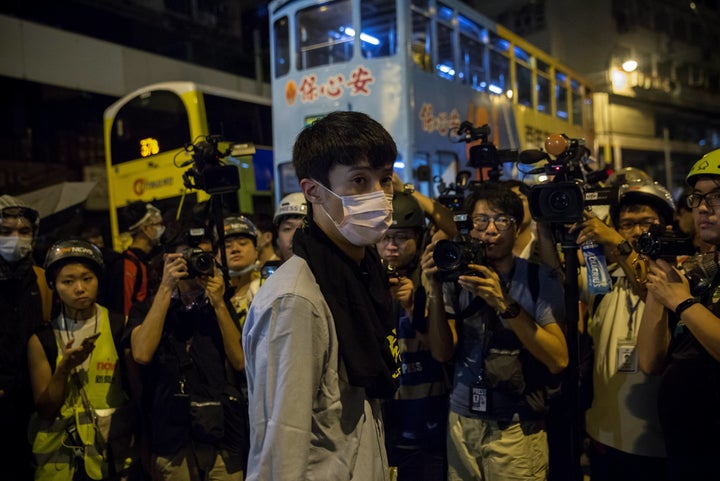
293, 205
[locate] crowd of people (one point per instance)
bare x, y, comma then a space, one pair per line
365, 332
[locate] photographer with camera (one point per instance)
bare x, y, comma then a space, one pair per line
498, 323
186, 339
241, 249
621, 420
416, 419
679, 339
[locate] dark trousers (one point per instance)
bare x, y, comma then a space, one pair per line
419, 464
610, 464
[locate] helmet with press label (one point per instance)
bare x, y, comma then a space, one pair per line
72, 251
291, 205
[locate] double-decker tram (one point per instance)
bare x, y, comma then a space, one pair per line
421, 68
148, 132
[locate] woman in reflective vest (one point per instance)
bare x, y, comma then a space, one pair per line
75, 372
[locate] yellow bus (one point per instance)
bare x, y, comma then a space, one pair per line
147, 133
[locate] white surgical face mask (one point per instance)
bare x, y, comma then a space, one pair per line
366, 216
14, 248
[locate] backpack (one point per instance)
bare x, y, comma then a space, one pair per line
111, 290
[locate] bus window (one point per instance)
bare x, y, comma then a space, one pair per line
561, 92
238, 121
378, 29
324, 34
523, 73
281, 32
499, 64
543, 86
159, 115
421, 41
577, 102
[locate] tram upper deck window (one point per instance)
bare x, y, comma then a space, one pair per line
324, 34
473, 54
281, 32
577, 102
561, 96
543, 86
523, 73
445, 66
159, 114
499, 64
378, 28
421, 40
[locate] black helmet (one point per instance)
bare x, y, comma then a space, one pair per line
239, 225
68, 251
407, 213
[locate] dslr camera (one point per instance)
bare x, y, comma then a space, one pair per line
199, 262
452, 257
659, 243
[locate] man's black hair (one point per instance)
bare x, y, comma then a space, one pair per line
344, 138
499, 198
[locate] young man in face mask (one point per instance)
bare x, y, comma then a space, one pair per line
127, 280
319, 332
22, 292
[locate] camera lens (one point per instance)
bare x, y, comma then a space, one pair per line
448, 255
559, 201
203, 263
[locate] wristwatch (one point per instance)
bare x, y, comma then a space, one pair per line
624, 248
408, 188
512, 311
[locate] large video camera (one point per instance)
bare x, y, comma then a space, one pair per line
574, 185
208, 171
485, 157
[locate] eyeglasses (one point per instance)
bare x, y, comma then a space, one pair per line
629, 225
502, 222
712, 199
397, 239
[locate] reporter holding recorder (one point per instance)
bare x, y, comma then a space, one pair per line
76, 371
679, 339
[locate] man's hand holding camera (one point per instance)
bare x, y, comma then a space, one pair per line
215, 288
174, 270
486, 285
667, 284
401, 289
594, 229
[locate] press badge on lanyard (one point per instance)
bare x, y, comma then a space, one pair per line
480, 396
627, 356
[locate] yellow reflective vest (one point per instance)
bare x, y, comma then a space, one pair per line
102, 384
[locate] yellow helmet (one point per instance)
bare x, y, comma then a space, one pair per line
708, 165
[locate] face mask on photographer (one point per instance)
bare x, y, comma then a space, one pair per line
15, 248
366, 216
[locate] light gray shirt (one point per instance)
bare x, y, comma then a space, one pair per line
306, 421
